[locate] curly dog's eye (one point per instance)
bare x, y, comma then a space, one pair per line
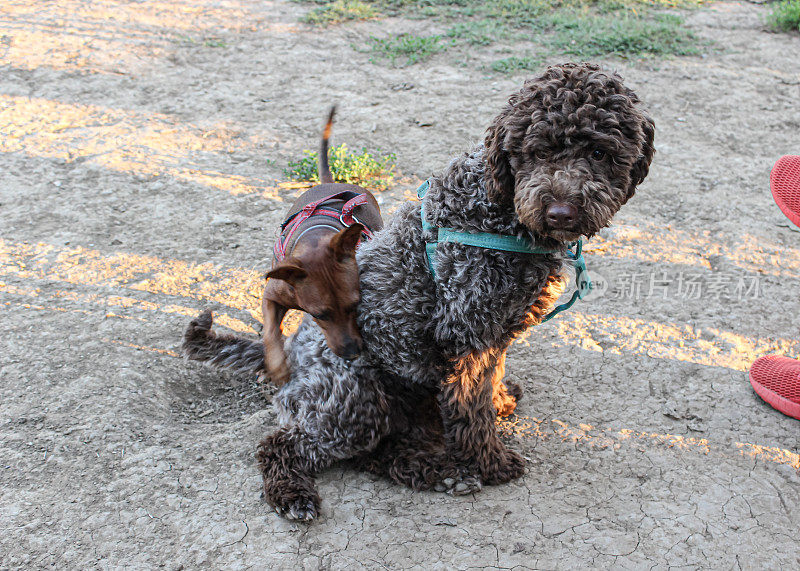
598, 154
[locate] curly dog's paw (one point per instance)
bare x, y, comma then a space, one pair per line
510, 466
459, 486
300, 509
293, 497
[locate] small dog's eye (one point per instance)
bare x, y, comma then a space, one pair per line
324, 316
598, 154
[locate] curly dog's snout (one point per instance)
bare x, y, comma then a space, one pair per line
561, 216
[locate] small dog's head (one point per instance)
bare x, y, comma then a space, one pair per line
568, 151
323, 279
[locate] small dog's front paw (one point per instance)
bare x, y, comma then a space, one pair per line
460, 486
278, 376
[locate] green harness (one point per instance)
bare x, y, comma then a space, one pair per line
508, 244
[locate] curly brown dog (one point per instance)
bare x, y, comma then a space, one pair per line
557, 163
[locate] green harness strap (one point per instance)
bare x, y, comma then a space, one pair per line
508, 244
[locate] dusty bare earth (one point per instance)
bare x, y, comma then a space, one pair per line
142, 147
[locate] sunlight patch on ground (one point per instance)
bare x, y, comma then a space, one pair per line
234, 288
129, 142
769, 454
113, 303
522, 427
620, 335
650, 242
113, 36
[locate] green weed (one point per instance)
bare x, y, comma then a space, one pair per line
413, 48
340, 11
785, 16
478, 32
515, 64
375, 172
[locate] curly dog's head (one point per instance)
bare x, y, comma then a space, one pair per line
568, 150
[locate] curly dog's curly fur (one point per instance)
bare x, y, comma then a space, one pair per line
419, 405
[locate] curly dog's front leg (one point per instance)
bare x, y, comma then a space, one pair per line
469, 415
505, 394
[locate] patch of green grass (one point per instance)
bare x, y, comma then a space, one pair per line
412, 48
375, 172
340, 11
628, 35
515, 64
587, 28
478, 32
785, 16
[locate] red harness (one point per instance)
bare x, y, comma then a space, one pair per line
345, 217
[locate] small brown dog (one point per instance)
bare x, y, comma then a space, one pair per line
314, 268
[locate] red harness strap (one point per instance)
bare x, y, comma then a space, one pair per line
344, 217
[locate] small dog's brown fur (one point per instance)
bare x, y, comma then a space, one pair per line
319, 276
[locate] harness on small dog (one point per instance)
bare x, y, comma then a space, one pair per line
509, 244
344, 217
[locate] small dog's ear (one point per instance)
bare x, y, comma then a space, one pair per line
642, 165
344, 243
289, 271
498, 176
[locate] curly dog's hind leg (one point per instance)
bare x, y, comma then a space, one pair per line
415, 464
329, 415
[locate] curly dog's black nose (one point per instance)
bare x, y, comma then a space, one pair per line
561, 215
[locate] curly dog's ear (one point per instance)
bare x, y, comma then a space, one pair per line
498, 176
642, 165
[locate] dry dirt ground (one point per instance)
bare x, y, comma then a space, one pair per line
142, 147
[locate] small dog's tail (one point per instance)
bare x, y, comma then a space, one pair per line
324, 168
240, 355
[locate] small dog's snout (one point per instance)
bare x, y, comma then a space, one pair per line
561, 215
351, 350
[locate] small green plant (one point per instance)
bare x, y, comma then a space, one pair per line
340, 11
785, 16
478, 32
375, 172
413, 48
629, 35
214, 43
514, 64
